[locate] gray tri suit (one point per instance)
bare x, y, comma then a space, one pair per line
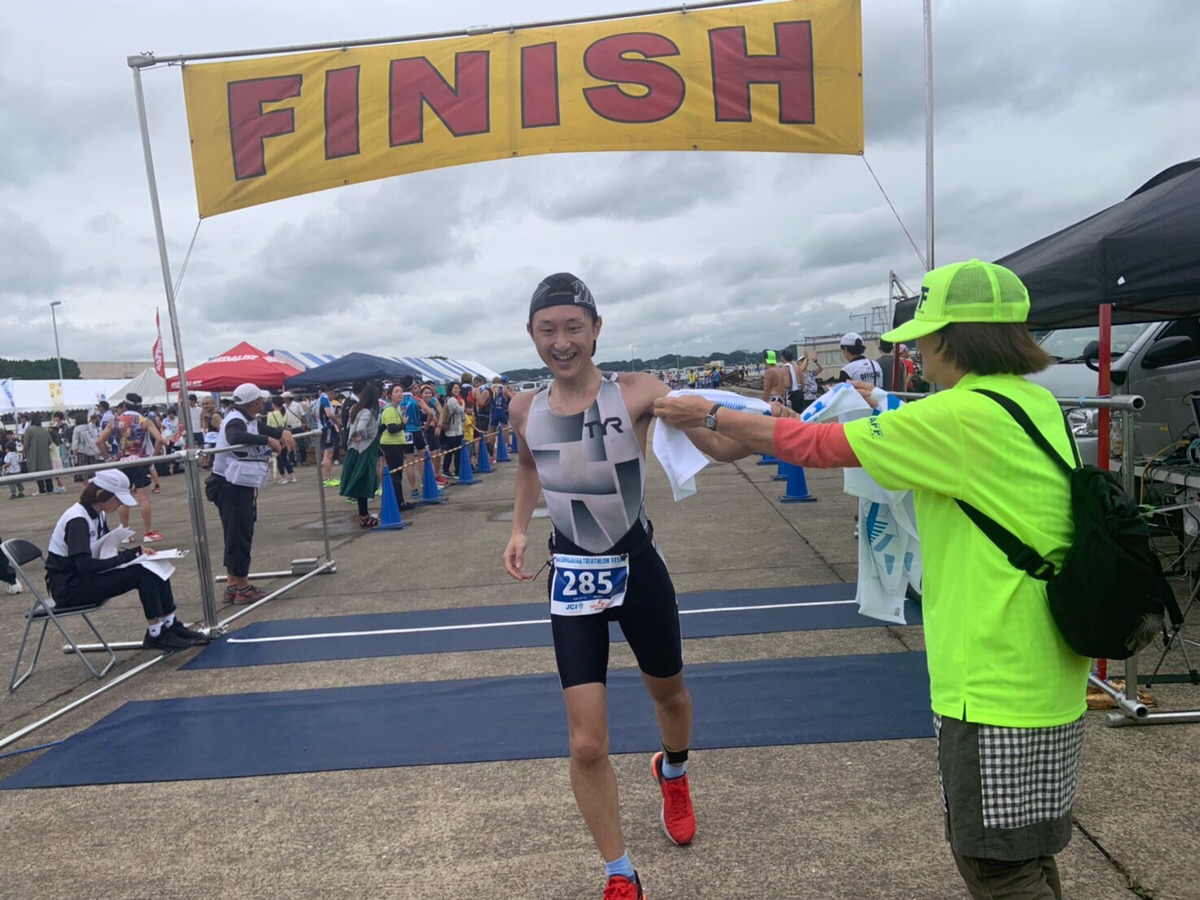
591, 467
593, 477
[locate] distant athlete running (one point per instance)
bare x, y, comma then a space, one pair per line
583, 445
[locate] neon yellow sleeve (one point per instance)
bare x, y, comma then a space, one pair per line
918, 446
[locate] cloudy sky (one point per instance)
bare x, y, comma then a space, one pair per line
1045, 113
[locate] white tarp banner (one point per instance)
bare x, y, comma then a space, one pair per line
20, 395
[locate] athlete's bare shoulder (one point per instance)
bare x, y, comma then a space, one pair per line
639, 391
518, 406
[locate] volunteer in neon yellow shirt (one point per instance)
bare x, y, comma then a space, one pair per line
1008, 694
393, 440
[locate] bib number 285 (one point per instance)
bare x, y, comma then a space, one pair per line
585, 585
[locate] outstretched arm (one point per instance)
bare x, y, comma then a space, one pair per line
800, 443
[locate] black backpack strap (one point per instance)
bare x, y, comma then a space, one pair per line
1022, 419
1020, 554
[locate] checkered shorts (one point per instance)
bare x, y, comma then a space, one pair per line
1029, 774
1008, 792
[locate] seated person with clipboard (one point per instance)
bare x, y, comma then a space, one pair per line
84, 566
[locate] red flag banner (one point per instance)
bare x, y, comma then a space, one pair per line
160, 363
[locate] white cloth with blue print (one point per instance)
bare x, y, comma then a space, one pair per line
889, 551
678, 455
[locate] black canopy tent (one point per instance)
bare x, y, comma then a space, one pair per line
348, 368
1142, 255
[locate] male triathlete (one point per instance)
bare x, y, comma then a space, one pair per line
137, 437
774, 386
583, 445
501, 396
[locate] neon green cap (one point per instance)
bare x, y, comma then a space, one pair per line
971, 291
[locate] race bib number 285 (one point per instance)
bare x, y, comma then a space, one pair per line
586, 585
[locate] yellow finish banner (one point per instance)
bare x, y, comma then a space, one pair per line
781, 77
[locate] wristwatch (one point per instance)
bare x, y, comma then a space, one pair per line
710, 421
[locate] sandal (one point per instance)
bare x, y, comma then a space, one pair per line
368, 521
230, 595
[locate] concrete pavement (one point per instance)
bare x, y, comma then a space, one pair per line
851, 820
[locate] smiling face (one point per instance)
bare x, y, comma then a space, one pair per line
565, 337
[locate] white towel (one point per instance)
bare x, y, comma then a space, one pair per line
889, 552
678, 456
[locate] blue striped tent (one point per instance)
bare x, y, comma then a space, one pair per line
439, 370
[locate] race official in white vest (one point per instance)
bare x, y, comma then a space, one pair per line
237, 476
77, 575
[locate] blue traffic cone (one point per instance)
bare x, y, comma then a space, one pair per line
485, 458
797, 486
502, 449
465, 474
766, 459
781, 472
513, 443
429, 485
389, 510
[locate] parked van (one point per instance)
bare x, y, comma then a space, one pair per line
1159, 361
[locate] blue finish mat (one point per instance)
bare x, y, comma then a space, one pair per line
805, 700
702, 614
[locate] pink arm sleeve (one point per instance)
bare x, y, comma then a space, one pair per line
818, 446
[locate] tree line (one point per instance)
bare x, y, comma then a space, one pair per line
38, 369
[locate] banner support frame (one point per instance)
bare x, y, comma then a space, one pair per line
208, 595
147, 60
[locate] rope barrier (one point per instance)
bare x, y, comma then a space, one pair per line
436, 455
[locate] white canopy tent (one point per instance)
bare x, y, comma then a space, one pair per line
148, 385
24, 395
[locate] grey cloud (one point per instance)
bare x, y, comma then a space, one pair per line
645, 188
340, 259
103, 223
852, 238
1065, 51
46, 132
32, 265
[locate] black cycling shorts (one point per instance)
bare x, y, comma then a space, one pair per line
139, 476
649, 619
416, 442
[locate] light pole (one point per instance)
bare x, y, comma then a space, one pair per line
57, 353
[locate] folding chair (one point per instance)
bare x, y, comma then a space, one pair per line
21, 553
1172, 636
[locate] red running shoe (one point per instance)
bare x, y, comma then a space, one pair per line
621, 888
678, 816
